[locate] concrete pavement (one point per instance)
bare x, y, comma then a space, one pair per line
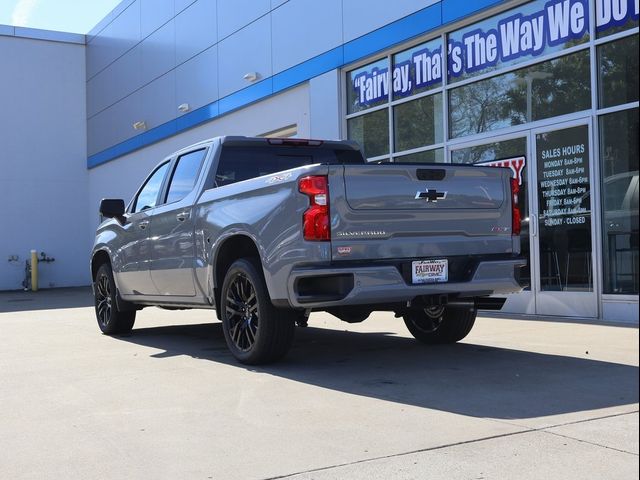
516, 399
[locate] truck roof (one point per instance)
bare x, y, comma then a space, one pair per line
242, 141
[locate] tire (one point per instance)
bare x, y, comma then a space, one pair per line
110, 319
256, 332
440, 325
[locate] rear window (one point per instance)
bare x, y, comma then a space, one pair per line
243, 163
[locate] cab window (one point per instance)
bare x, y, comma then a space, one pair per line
148, 195
184, 175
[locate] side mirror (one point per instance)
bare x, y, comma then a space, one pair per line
112, 207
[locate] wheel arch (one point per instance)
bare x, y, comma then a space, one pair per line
99, 258
230, 249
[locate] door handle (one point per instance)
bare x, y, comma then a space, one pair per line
182, 216
143, 224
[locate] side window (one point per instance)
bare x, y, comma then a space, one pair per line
184, 175
149, 193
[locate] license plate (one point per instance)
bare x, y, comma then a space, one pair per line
430, 271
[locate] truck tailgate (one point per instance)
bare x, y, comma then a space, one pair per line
399, 211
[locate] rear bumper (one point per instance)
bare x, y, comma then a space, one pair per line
322, 287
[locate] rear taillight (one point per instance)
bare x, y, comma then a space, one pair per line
515, 208
315, 221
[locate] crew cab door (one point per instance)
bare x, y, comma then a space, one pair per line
172, 228
134, 252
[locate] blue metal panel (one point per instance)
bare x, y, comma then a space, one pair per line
197, 79
364, 16
114, 124
453, 10
159, 100
102, 24
158, 53
154, 14
195, 29
303, 29
248, 50
180, 5
235, 14
246, 96
108, 86
408, 27
309, 69
118, 37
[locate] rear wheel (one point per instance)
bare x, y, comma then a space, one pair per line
256, 332
110, 319
435, 325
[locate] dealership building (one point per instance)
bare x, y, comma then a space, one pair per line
548, 88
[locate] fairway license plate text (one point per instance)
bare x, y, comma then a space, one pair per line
430, 271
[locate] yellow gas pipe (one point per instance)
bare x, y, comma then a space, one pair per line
34, 271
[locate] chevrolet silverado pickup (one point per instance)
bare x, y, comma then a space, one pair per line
266, 231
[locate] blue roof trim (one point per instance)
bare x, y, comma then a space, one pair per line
418, 23
313, 67
198, 116
116, 151
255, 92
158, 133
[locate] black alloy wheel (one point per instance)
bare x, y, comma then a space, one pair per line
256, 332
111, 319
103, 300
241, 305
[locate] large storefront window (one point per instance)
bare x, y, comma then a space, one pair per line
619, 166
618, 69
418, 123
417, 69
371, 131
613, 16
536, 28
548, 89
368, 86
428, 156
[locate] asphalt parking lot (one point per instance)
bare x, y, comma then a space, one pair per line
518, 399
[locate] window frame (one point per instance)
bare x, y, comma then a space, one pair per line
172, 170
132, 205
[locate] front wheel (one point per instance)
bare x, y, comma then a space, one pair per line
437, 325
256, 332
111, 320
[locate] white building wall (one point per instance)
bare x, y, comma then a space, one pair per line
324, 106
120, 178
43, 175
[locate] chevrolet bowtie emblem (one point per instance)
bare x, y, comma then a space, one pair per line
431, 195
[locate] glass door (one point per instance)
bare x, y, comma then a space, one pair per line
561, 221
510, 151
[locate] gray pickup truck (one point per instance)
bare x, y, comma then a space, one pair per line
265, 231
